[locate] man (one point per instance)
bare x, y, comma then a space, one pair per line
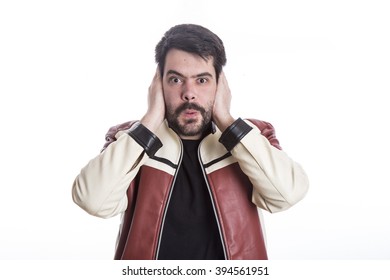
189, 177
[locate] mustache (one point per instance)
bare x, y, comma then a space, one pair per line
189, 106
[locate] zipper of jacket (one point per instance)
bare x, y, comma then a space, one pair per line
212, 203
168, 201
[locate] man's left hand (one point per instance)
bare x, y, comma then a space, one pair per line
221, 108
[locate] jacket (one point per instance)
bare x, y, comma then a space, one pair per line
244, 169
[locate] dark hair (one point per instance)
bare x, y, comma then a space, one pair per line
195, 39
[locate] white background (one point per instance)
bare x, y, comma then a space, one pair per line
317, 70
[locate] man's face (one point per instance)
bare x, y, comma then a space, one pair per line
189, 85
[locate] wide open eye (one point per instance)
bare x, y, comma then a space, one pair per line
174, 80
202, 80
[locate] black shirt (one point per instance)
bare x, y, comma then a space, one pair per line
190, 230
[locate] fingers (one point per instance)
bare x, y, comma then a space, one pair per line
223, 86
222, 77
156, 89
156, 104
156, 82
221, 109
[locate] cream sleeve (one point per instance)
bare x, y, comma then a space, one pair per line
100, 188
278, 182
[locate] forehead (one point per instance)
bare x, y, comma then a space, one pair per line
188, 64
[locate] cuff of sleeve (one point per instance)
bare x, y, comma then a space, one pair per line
145, 138
234, 133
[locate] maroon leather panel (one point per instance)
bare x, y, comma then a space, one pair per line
143, 234
241, 228
126, 219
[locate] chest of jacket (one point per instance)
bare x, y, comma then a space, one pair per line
230, 191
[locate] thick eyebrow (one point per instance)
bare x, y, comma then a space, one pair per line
204, 74
173, 72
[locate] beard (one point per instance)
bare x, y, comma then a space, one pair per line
189, 127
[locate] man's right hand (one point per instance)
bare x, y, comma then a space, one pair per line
155, 114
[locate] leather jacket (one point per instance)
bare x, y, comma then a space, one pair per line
244, 169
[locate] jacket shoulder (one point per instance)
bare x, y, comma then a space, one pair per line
110, 135
267, 130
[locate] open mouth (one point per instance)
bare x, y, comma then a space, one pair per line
190, 112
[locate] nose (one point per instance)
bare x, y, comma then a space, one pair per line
189, 91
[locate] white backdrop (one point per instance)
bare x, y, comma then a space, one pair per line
317, 70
